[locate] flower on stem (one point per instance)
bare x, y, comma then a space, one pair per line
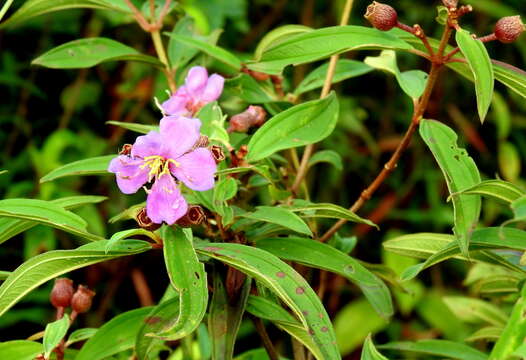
161, 158
198, 90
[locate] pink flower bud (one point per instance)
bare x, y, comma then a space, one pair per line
509, 28
381, 16
62, 293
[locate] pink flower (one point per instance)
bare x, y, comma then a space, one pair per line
197, 91
162, 158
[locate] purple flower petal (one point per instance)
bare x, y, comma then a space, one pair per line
176, 104
130, 176
165, 202
178, 135
147, 145
196, 169
214, 88
195, 81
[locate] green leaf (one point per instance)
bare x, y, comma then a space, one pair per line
115, 336
125, 234
41, 268
139, 128
480, 65
268, 310
20, 350
224, 318
47, 213
188, 277
224, 190
460, 173
213, 123
10, 227
280, 278
313, 253
280, 216
331, 211
327, 156
214, 51
473, 310
369, 352
322, 43
54, 333
92, 166
250, 90
441, 348
179, 53
4, 275
345, 69
491, 333
496, 189
299, 125
509, 161
85, 53
80, 335
277, 36
33, 8
412, 82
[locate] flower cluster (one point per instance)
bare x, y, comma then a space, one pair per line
175, 154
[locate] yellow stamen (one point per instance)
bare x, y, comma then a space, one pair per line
158, 166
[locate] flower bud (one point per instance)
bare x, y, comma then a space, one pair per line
509, 28
145, 222
217, 153
81, 301
252, 116
381, 16
62, 293
194, 216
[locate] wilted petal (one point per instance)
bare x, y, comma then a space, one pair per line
130, 176
196, 169
147, 145
214, 88
176, 104
165, 202
195, 81
178, 135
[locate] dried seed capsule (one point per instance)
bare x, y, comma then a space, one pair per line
62, 293
145, 222
194, 216
217, 153
381, 16
82, 299
509, 28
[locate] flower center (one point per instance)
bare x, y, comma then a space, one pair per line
158, 166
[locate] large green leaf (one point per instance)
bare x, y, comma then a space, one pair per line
331, 211
85, 53
345, 69
322, 43
299, 125
20, 350
472, 310
47, 213
214, 51
277, 36
292, 289
460, 173
441, 348
41, 268
369, 352
91, 166
224, 318
188, 277
10, 227
496, 189
115, 336
32, 8
322, 256
280, 216
514, 332
54, 333
480, 64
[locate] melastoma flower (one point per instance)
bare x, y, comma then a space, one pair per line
197, 91
162, 158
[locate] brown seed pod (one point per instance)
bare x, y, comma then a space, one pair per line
194, 216
381, 16
82, 299
509, 28
145, 222
62, 293
217, 153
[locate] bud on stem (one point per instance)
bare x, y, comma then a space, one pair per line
82, 299
509, 28
62, 293
381, 16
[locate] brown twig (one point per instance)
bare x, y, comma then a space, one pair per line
267, 343
141, 288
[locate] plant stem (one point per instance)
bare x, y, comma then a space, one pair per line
161, 54
309, 149
420, 108
267, 343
